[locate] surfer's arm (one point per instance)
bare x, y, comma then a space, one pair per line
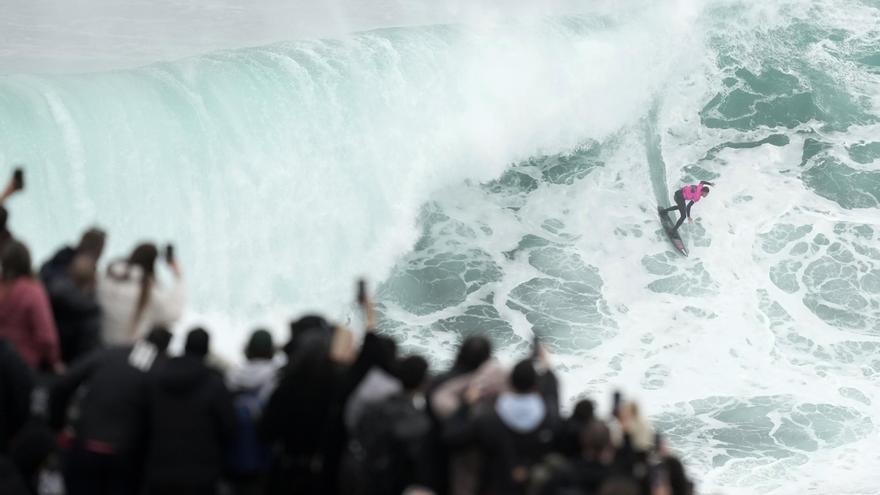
690, 203
707, 183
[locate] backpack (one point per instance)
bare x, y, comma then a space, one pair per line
385, 443
247, 453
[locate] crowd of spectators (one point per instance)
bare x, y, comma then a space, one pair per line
92, 402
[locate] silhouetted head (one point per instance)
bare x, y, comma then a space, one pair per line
144, 256
15, 261
260, 346
524, 378
412, 371
160, 337
595, 440
311, 357
302, 327
4, 216
583, 411
92, 243
197, 343
705, 191
474, 351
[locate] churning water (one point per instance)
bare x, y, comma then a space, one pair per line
502, 177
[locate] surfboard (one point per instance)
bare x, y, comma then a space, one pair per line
674, 237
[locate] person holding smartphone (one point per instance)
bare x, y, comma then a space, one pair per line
132, 298
15, 184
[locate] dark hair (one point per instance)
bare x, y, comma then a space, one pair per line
4, 216
311, 357
15, 261
197, 343
595, 439
474, 351
160, 337
260, 345
307, 323
583, 410
144, 256
92, 242
524, 378
302, 327
678, 480
412, 371
705, 190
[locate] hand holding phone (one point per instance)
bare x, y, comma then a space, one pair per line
18, 179
362, 292
366, 305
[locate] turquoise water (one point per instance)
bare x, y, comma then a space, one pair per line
503, 178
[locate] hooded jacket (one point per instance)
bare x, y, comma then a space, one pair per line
514, 436
118, 296
191, 421
112, 413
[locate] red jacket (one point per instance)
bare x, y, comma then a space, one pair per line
26, 321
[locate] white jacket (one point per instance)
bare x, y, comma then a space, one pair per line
119, 298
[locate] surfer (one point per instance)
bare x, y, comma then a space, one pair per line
690, 193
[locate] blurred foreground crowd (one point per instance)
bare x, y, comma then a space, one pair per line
93, 403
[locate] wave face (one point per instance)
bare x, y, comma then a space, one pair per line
503, 178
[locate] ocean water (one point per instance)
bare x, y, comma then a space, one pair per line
500, 173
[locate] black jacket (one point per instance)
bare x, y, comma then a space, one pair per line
113, 410
16, 384
392, 442
508, 455
77, 313
192, 420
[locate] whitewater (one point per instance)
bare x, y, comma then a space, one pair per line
496, 169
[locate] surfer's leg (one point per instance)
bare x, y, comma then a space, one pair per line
682, 211
670, 209
679, 222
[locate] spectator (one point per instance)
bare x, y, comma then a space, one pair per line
515, 435
110, 430
298, 418
25, 314
251, 385
132, 299
585, 474
70, 280
301, 328
389, 447
568, 437
16, 384
5, 236
458, 472
191, 421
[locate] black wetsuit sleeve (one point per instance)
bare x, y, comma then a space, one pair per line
690, 203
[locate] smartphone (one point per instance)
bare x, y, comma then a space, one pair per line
362, 291
18, 179
615, 403
169, 253
536, 346
658, 440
